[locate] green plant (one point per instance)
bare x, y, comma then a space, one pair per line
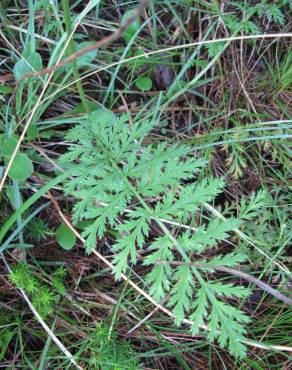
65, 237
267, 12
123, 184
229, 101
272, 225
22, 167
41, 295
37, 229
110, 353
6, 334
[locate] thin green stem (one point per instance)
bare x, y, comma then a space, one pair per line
18, 204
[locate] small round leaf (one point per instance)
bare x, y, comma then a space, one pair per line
65, 237
9, 146
144, 83
103, 115
21, 168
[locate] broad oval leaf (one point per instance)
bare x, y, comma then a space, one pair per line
4, 89
9, 146
32, 62
139, 62
21, 168
65, 237
104, 115
32, 133
87, 58
133, 27
10, 196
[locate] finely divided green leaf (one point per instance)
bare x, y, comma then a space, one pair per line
128, 187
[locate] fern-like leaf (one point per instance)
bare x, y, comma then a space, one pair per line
182, 292
123, 184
